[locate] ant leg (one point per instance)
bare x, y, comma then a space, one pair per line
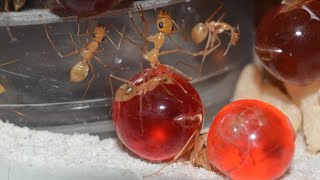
79, 27
170, 93
174, 43
180, 73
121, 79
89, 84
198, 143
126, 38
6, 5
215, 12
11, 36
7, 63
99, 60
120, 33
183, 150
184, 34
209, 41
14, 111
58, 1
55, 48
134, 24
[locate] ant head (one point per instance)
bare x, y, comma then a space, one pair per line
99, 33
126, 92
199, 33
167, 78
164, 22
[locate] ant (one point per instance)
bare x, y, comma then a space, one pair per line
165, 25
2, 88
129, 90
210, 30
80, 70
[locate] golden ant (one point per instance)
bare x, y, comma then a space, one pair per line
2, 88
165, 25
210, 30
201, 31
80, 70
130, 90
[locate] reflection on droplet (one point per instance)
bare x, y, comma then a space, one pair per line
117, 60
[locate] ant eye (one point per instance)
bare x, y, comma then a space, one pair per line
161, 25
164, 79
128, 90
94, 35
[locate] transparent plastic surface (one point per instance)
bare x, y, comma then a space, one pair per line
39, 92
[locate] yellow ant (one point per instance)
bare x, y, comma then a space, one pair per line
129, 90
210, 30
2, 88
80, 70
165, 25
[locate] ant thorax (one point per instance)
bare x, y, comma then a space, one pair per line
144, 84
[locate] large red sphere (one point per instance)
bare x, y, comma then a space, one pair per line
169, 115
288, 43
250, 139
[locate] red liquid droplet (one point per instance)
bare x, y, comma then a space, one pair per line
85, 8
250, 139
166, 122
287, 43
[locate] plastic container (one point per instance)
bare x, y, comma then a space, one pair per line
40, 96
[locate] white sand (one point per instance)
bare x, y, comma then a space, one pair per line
37, 155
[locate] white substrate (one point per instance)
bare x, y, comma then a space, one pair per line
38, 155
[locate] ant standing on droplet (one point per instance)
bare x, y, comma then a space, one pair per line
80, 70
127, 91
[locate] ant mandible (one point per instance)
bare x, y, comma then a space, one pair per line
80, 70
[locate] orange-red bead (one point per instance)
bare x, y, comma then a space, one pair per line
250, 139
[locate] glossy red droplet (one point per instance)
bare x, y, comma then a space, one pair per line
250, 139
85, 8
169, 117
287, 43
